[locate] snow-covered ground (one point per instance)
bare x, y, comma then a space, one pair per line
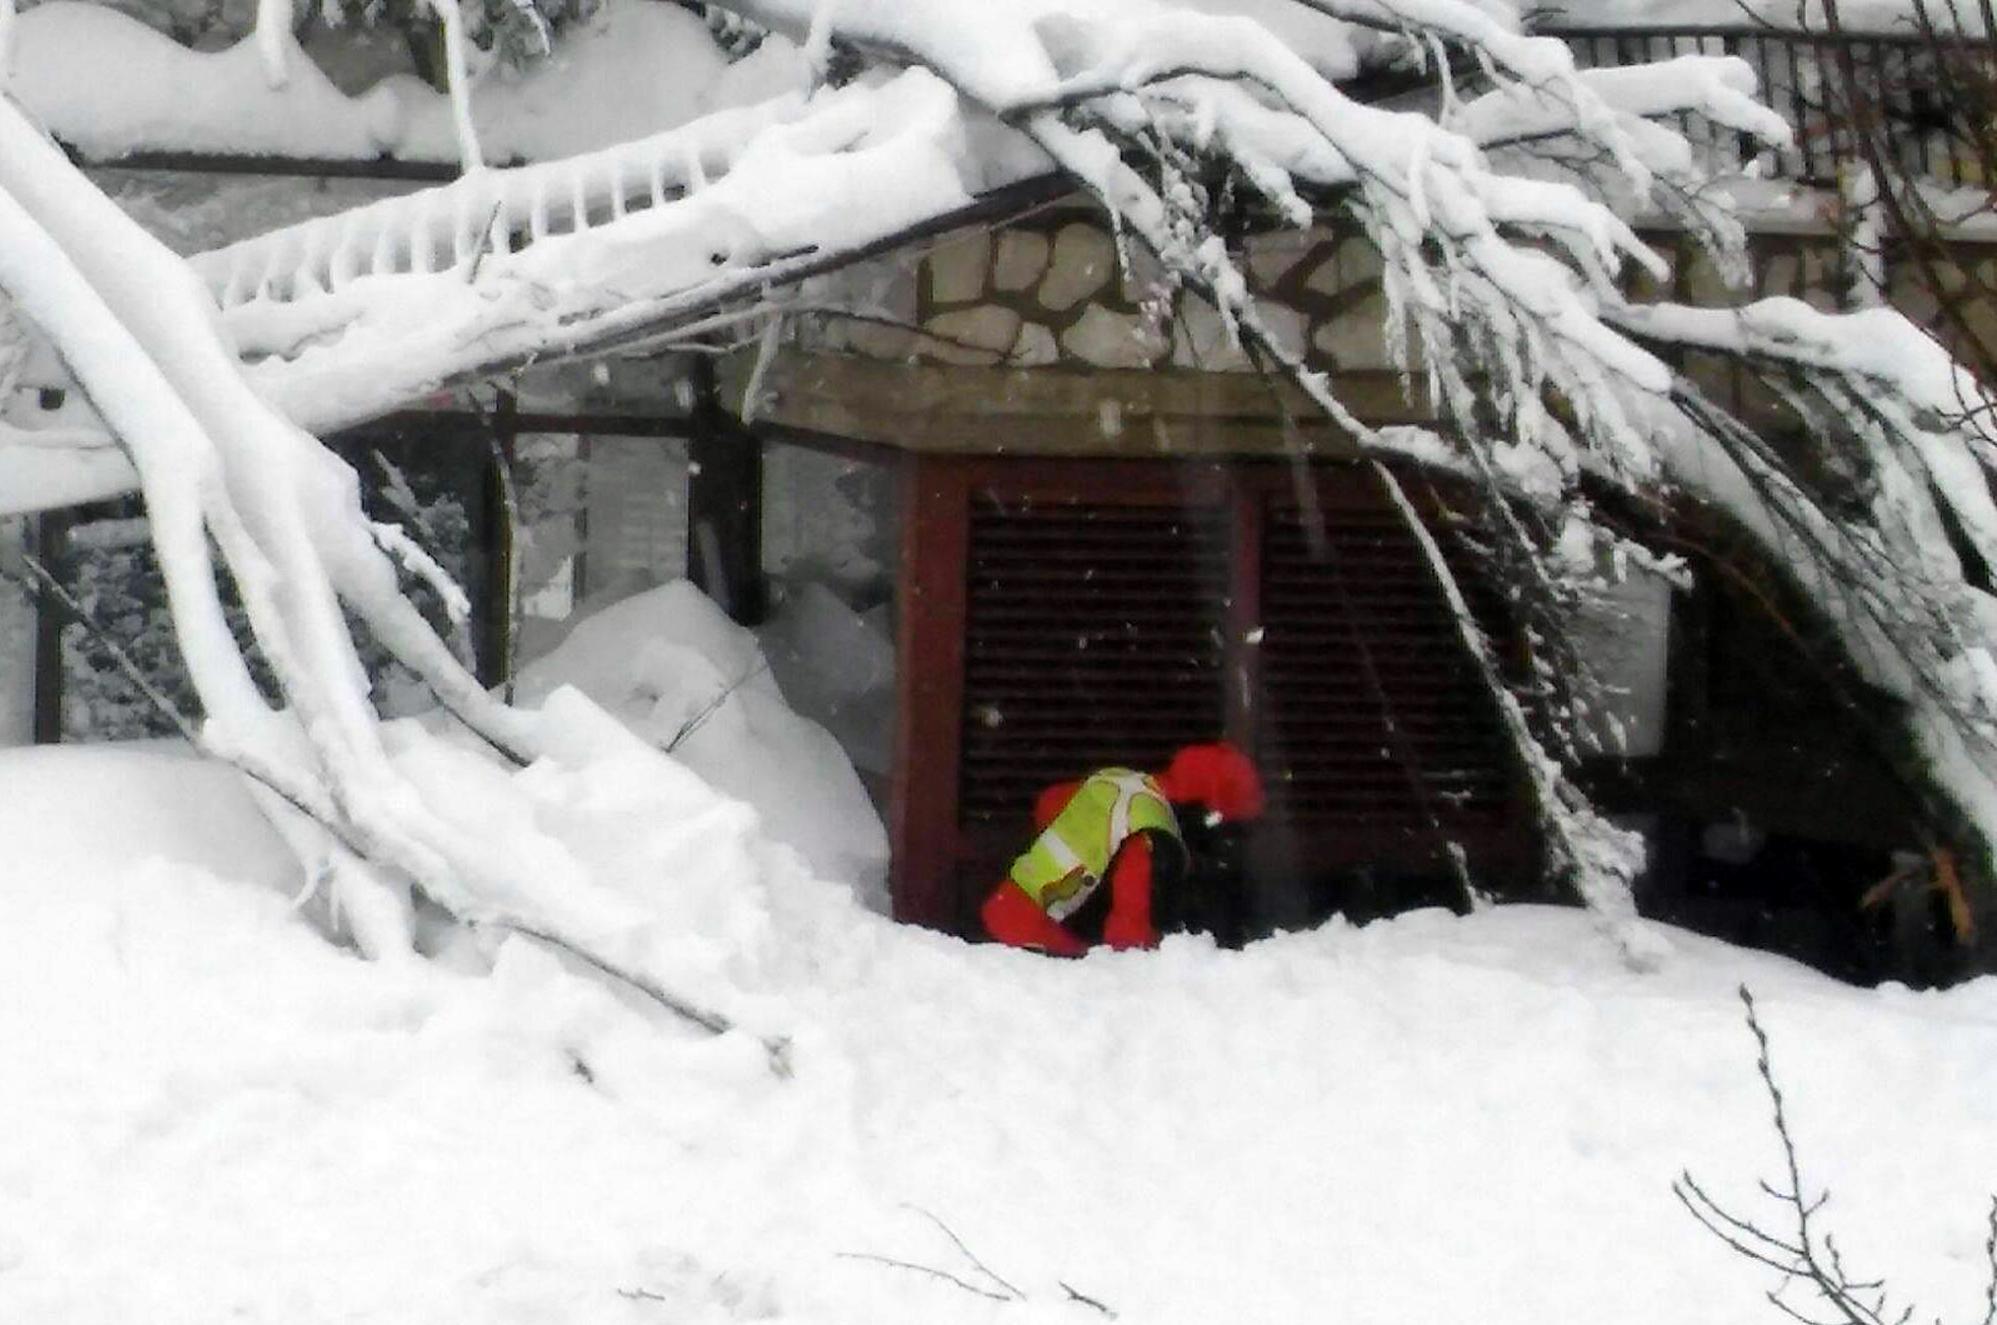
212, 1113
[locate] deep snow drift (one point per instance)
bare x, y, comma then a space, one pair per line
213, 1113
673, 668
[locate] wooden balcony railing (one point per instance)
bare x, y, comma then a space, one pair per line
1925, 92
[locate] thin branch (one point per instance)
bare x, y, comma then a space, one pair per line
1076, 1296
699, 717
776, 1048
321, 811
968, 1254
930, 1270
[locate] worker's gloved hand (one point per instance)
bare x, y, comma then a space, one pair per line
1217, 776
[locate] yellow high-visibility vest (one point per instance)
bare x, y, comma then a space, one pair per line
1068, 861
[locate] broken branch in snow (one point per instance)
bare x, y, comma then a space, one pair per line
698, 719
776, 1048
1000, 1289
1502, 291
302, 799
1807, 1253
42, 584
1075, 1295
293, 791
1447, 848
965, 1251
1592, 856
929, 1270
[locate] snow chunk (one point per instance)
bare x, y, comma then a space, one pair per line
72, 811
685, 679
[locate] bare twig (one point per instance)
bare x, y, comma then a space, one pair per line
968, 1254
1811, 1255
699, 717
1000, 1288
776, 1048
930, 1270
1084, 1298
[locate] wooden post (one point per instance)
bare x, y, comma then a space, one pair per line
496, 641
48, 537
929, 683
724, 506
1241, 658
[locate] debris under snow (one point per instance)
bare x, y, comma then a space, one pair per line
213, 1113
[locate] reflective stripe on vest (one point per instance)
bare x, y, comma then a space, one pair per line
1067, 862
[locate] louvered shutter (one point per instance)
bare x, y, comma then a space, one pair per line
1369, 706
1093, 637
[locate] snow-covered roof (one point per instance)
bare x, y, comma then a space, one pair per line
110, 86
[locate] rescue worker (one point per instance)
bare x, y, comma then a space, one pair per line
1115, 826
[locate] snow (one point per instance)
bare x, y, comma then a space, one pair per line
108, 85
215, 1114
1807, 15
667, 661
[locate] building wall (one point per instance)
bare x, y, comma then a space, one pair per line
1053, 292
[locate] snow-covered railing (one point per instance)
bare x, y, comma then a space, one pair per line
455, 226
1814, 79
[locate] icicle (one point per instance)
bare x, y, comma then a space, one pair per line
381, 260
273, 26
422, 236
458, 230
460, 83
341, 262
537, 208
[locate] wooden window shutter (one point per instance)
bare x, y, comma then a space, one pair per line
1093, 637
1371, 714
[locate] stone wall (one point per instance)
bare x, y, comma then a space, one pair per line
1809, 267
1052, 292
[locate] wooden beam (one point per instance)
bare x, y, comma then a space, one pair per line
496, 644
724, 509
49, 533
929, 683
951, 410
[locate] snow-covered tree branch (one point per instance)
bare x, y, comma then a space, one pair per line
1504, 285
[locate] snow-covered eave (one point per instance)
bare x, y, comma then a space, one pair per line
386, 169
40, 471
